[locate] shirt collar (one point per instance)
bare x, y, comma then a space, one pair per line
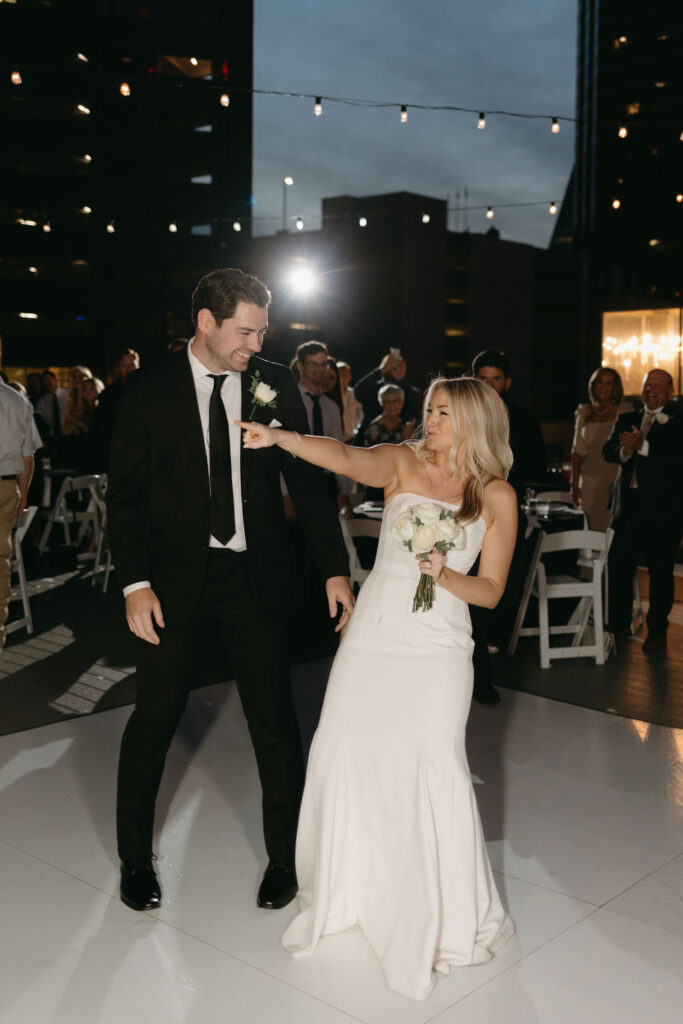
652, 412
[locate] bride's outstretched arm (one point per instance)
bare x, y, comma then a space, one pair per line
373, 467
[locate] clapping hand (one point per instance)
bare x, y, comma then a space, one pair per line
631, 440
433, 564
256, 435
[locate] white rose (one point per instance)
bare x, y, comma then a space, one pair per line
449, 530
662, 418
402, 529
264, 393
426, 513
425, 537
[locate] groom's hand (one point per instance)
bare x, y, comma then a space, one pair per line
339, 591
141, 607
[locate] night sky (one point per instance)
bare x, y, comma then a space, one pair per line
490, 54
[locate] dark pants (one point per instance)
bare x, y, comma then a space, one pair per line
639, 534
258, 653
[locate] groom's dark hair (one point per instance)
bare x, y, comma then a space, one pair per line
221, 290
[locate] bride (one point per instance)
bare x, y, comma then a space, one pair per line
389, 833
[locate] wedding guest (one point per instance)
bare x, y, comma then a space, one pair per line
647, 506
324, 415
331, 385
391, 370
52, 403
19, 440
592, 478
126, 362
34, 387
352, 409
388, 427
492, 628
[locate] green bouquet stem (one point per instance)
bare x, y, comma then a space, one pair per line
424, 595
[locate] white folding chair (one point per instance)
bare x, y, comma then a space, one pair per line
103, 562
358, 528
77, 518
17, 566
546, 588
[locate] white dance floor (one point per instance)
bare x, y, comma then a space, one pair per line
583, 814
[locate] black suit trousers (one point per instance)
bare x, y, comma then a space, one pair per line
258, 653
640, 534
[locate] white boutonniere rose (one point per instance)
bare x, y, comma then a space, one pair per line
662, 418
262, 393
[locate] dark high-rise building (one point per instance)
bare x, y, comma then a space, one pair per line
627, 187
127, 136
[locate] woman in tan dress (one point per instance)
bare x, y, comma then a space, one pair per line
592, 477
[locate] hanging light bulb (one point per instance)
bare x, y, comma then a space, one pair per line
318, 107
82, 57
481, 123
124, 89
47, 228
225, 100
16, 77
623, 131
552, 208
555, 126
236, 226
82, 109
404, 113
173, 227
363, 222
426, 218
299, 224
489, 212
616, 203
110, 227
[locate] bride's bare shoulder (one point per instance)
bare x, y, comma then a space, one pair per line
500, 499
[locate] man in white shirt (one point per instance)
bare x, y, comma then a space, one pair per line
19, 439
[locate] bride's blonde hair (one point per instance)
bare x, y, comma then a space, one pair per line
481, 431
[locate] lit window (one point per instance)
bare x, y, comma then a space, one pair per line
660, 85
633, 108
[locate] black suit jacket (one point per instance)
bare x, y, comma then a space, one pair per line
159, 499
660, 472
530, 465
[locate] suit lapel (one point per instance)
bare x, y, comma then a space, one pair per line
186, 396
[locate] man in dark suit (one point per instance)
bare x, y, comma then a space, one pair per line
198, 536
392, 370
647, 505
126, 362
530, 465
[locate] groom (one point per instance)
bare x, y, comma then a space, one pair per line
198, 535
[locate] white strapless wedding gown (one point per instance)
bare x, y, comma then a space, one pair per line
389, 833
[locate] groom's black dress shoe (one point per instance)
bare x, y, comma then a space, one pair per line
139, 884
278, 888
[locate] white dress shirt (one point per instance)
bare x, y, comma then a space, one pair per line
332, 426
625, 454
45, 406
19, 437
231, 393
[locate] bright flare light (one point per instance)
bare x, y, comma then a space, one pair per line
302, 280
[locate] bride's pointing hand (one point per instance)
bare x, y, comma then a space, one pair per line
256, 435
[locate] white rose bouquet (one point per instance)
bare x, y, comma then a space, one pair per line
421, 528
262, 393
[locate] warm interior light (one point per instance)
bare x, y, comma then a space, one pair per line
27, 223
426, 218
363, 222
194, 62
28, 316
616, 203
87, 158
636, 341
679, 197
86, 209
110, 227
225, 100
47, 227
623, 131
236, 226
173, 227
82, 57
33, 270
16, 77
82, 109
124, 89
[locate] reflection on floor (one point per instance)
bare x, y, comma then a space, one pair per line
583, 814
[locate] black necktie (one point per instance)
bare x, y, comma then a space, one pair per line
317, 415
56, 415
220, 469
